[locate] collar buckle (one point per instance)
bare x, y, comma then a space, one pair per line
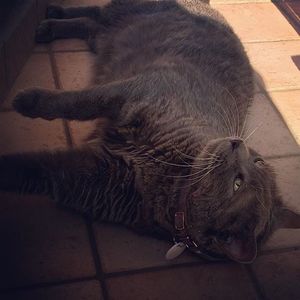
179, 221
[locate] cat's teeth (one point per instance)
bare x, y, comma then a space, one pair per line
175, 251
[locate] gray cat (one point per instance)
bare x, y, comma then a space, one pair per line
168, 156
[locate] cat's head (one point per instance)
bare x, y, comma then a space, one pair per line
235, 205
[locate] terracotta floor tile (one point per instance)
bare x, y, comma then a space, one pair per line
288, 105
75, 69
20, 42
279, 275
283, 238
214, 281
20, 134
121, 249
40, 48
275, 63
255, 21
81, 130
76, 291
41, 243
69, 45
272, 137
36, 72
288, 174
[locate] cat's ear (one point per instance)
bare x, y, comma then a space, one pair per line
286, 218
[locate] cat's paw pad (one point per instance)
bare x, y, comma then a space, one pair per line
54, 12
44, 33
26, 102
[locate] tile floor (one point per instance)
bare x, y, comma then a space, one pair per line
49, 253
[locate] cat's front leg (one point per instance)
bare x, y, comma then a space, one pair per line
99, 101
114, 100
71, 105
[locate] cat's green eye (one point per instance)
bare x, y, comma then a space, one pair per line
237, 183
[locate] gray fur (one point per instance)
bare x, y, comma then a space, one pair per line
175, 88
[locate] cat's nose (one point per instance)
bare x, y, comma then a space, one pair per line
235, 143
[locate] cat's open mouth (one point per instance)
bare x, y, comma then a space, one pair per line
242, 250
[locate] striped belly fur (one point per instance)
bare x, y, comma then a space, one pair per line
108, 194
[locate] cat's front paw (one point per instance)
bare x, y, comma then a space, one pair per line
35, 103
26, 102
54, 12
44, 33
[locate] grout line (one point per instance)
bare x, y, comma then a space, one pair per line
297, 39
283, 89
264, 90
90, 232
46, 284
68, 133
161, 268
58, 85
292, 155
255, 282
54, 68
97, 261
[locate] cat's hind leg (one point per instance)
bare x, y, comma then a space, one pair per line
51, 29
66, 176
59, 12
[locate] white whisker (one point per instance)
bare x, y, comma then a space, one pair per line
253, 131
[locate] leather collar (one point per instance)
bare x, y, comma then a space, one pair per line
180, 219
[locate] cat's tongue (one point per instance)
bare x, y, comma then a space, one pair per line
242, 251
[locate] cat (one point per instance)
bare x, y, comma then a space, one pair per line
169, 157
